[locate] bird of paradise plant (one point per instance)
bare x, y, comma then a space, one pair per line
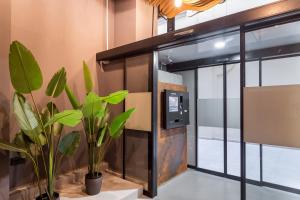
40, 128
99, 129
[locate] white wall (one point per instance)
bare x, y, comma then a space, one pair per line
221, 10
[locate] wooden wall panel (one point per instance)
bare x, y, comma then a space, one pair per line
137, 81
141, 118
172, 143
137, 73
272, 115
111, 79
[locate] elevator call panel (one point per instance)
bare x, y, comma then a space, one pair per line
176, 109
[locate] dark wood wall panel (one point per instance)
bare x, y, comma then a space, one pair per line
111, 79
137, 80
172, 143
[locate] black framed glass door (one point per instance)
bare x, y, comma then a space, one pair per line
272, 60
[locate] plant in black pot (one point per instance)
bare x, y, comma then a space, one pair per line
40, 138
99, 129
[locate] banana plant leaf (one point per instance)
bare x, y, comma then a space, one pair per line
57, 83
101, 135
93, 106
117, 125
68, 117
87, 78
25, 73
72, 98
69, 143
47, 112
27, 119
12, 147
116, 97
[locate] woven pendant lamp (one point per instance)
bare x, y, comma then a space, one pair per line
168, 8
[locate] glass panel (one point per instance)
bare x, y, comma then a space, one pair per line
210, 119
279, 66
189, 81
233, 119
252, 150
285, 161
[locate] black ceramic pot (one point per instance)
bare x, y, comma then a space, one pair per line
93, 183
45, 197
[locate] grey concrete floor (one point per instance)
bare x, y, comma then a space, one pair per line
194, 185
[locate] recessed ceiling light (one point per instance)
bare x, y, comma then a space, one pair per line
178, 3
220, 45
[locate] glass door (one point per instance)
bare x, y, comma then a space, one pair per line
273, 62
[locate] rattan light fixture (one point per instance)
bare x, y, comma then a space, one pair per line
170, 8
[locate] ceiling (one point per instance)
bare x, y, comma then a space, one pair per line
213, 46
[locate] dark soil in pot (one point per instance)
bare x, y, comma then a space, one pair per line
93, 183
45, 197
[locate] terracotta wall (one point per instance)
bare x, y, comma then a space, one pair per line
4, 94
59, 33
132, 21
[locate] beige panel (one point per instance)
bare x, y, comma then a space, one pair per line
141, 118
272, 115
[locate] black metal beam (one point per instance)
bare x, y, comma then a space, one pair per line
242, 85
225, 116
187, 34
152, 154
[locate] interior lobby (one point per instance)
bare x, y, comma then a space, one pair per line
150, 99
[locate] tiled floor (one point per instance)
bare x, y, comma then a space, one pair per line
194, 185
284, 161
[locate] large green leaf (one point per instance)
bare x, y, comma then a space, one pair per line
116, 97
118, 123
101, 135
92, 106
69, 143
68, 117
72, 98
14, 148
87, 78
27, 119
11, 147
25, 73
57, 83
46, 113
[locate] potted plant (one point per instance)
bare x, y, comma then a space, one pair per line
99, 129
40, 138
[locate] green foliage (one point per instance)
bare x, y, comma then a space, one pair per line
38, 129
68, 117
50, 110
95, 109
27, 119
69, 143
25, 73
57, 83
101, 135
72, 98
92, 105
87, 78
118, 123
116, 97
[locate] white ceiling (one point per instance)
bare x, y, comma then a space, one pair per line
259, 39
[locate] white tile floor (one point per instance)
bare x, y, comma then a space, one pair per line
194, 185
284, 161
